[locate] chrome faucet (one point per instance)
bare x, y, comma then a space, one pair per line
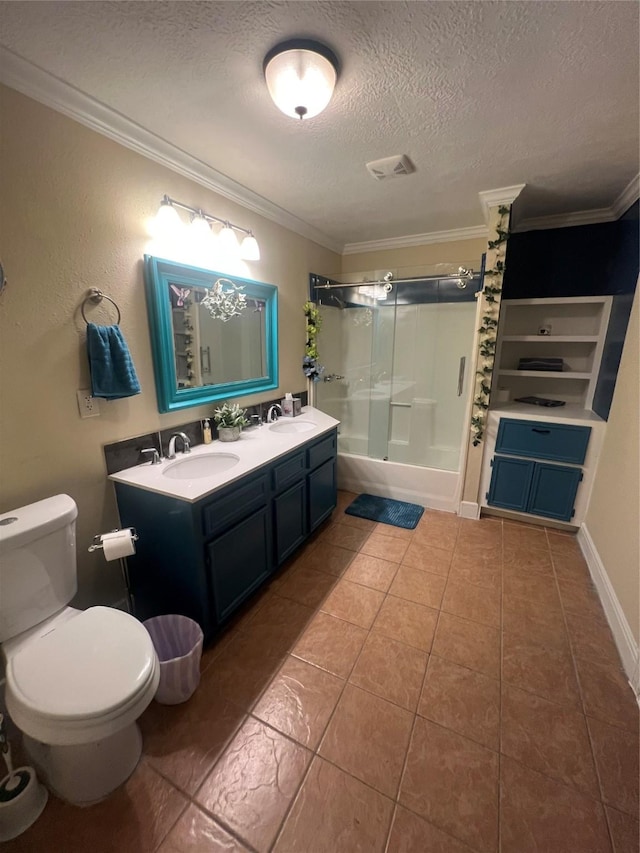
272, 415
256, 420
153, 453
186, 447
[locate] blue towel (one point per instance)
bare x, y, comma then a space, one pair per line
113, 375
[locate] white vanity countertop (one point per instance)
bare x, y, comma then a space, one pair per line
256, 447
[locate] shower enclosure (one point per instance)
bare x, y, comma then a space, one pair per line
397, 375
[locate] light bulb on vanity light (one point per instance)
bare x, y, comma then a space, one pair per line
167, 223
228, 242
249, 249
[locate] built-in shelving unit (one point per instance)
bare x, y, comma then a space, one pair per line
571, 328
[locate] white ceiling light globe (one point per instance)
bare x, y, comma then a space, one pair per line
301, 76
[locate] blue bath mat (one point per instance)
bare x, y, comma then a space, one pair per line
398, 513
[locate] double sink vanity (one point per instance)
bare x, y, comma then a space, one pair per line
215, 523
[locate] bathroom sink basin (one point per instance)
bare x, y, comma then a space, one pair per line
203, 465
286, 426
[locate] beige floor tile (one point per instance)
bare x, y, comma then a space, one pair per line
462, 700
393, 531
548, 738
438, 536
371, 571
425, 556
368, 737
523, 536
385, 547
335, 813
540, 815
421, 587
616, 755
592, 640
357, 522
252, 785
563, 543
607, 695
476, 569
547, 672
354, 603
528, 559
472, 602
468, 644
407, 622
571, 567
280, 620
179, 740
195, 832
453, 783
582, 599
412, 834
343, 536
331, 644
532, 586
307, 586
299, 701
328, 558
530, 619
391, 670
136, 817
625, 831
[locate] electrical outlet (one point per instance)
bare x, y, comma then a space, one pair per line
88, 406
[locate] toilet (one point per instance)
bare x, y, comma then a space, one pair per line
76, 681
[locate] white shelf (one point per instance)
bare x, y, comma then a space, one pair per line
578, 328
572, 412
556, 339
547, 374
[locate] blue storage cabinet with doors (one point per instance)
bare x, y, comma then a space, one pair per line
520, 482
204, 559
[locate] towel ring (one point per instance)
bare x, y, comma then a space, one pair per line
95, 295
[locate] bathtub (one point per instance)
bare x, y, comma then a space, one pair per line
429, 487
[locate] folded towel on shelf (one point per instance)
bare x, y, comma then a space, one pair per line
113, 375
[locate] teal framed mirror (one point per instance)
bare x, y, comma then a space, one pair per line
213, 336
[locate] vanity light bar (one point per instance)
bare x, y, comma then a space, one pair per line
249, 248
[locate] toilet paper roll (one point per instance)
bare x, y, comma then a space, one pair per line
118, 545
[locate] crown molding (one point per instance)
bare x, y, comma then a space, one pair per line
27, 78
502, 195
629, 195
566, 220
416, 240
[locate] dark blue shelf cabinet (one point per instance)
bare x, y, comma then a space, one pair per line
532, 486
204, 559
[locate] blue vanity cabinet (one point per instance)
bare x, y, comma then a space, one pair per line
323, 489
204, 559
528, 484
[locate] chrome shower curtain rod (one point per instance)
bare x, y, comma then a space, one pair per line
467, 274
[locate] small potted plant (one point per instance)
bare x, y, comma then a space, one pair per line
229, 421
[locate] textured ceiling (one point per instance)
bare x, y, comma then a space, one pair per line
479, 95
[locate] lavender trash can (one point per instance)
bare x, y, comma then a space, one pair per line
178, 644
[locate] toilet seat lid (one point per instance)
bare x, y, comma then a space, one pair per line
87, 667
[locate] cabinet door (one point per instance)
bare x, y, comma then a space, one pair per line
510, 483
239, 560
323, 494
290, 520
553, 491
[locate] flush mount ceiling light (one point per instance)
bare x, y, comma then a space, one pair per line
301, 76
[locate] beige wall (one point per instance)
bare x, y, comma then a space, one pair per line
466, 252
614, 509
75, 206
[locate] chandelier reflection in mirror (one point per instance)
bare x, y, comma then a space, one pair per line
225, 300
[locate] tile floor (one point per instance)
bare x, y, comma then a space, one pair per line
449, 689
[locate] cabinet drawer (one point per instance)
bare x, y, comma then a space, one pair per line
233, 504
542, 440
323, 450
288, 471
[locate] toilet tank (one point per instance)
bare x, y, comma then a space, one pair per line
37, 563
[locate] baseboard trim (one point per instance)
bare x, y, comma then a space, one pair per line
622, 634
469, 509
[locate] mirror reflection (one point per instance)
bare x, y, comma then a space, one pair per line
218, 334
213, 336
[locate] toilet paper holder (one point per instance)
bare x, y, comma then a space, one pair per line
97, 539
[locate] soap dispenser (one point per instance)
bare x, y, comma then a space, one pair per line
206, 431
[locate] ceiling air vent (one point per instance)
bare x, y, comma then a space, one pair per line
390, 167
